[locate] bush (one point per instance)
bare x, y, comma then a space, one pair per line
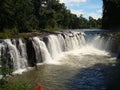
5, 67
5, 85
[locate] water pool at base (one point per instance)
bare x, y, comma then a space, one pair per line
87, 68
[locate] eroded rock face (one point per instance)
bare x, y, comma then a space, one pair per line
6, 60
30, 52
27, 52
45, 39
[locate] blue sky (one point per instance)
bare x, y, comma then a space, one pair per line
86, 7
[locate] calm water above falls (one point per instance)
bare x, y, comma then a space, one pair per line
87, 66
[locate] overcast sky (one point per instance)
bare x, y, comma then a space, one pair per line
86, 7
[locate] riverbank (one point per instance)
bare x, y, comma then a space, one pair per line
8, 34
28, 52
87, 69
114, 84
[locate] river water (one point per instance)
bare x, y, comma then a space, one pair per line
87, 68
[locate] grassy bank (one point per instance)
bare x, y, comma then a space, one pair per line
21, 85
13, 34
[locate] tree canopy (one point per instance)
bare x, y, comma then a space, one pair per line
26, 15
111, 15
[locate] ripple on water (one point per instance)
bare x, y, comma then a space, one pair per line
86, 71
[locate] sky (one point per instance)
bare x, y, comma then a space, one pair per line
86, 7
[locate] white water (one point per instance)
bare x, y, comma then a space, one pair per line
19, 60
100, 42
57, 48
14, 54
41, 51
54, 46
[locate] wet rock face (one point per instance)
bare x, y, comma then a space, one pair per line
118, 56
6, 60
63, 35
30, 53
45, 39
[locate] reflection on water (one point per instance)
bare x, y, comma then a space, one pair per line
84, 69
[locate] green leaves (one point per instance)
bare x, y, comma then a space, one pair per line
111, 17
5, 62
26, 15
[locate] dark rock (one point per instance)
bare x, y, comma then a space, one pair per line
30, 53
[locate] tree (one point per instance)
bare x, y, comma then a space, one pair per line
22, 13
111, 17
6, 14
26, 15
15, 13
92, 22
83, 22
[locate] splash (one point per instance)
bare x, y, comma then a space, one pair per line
52, 48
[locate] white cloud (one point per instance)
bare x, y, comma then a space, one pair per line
70, 1
99, 11
77, 12
94, 15
85, 14
74, 6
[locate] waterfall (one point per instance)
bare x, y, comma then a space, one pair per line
13, 54
18, 56
100, 42
22, 53
42, 54
54, 46
37, 50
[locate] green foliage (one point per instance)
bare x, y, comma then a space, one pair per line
116, 42
9, 33
26, 15
16, 86
2, 36
111, 15
15, 13
6, 67
3, 84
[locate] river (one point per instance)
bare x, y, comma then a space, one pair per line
90, 67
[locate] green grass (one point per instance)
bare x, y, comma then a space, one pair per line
13, 86
7, 33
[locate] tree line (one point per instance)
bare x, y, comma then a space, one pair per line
27, 15
111, 15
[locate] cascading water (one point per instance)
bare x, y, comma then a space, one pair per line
22, 53
42, 54
100, 42
14, 55
54, 46
18, 56
48, 48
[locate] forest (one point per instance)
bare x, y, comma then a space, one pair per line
28, 15
24, 16
111, 15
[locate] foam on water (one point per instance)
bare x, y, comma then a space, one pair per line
55, 48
